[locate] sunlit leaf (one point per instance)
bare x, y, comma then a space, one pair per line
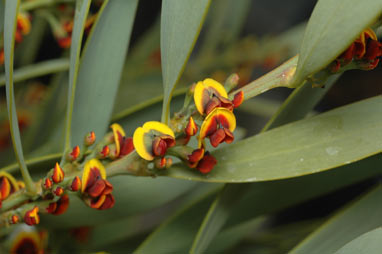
326, 37
180, 26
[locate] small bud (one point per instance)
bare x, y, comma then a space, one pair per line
206, 164
58, 174
105, 152
14, 219
73, 155
238, 99
64, 42
231, 82
191, 127
58, 191
90, 138
76, 184
21, 184
47, 184
31, 217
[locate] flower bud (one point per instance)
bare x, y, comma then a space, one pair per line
58, 174
90, 138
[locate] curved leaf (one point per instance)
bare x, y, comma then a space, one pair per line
101, 67
180, 26
81, 13
304, 147
354, 220
10, 20
326, 38
368, 243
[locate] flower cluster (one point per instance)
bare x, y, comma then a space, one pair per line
212, 109
364, 52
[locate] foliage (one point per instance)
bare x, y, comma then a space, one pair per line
179, 185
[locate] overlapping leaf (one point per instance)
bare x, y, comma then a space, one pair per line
180, 26
326, 38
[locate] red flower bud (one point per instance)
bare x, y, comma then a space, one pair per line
48, 183
58, 191
76, 184
58, 174
90, 138
31, 217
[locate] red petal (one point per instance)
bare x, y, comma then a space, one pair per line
207, 163
228, 136
238, 99
108, 203
127, 146
159, 147
97, 188
374, 50
217, 137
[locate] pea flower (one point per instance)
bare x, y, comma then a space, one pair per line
124, 145
95, 188
153, 139
31, 217
210, 94
59, 207
218, 127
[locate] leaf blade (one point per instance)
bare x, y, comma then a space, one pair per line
101, 64
325, 39
180, 26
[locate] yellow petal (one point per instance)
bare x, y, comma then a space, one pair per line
11, 179
117, 129
201, 95
139, 144
158, 126
216, 113
93, 163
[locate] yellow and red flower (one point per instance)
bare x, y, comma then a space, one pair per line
153, 139
76, 184
31, 217
8, 185
96, 189
209, 94
124, 145
218, 127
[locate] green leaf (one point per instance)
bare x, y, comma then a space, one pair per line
101, 67
369, 243
222, 207
305, 147
37, 70
253, 204
354, 220
326, 37
10, 20
81, 13
2, 9
180, 26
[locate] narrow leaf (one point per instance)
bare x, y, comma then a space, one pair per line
325, 37
369, 243
81, 13
326, 141
362, 216
100, 69
11, 10
180, 26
